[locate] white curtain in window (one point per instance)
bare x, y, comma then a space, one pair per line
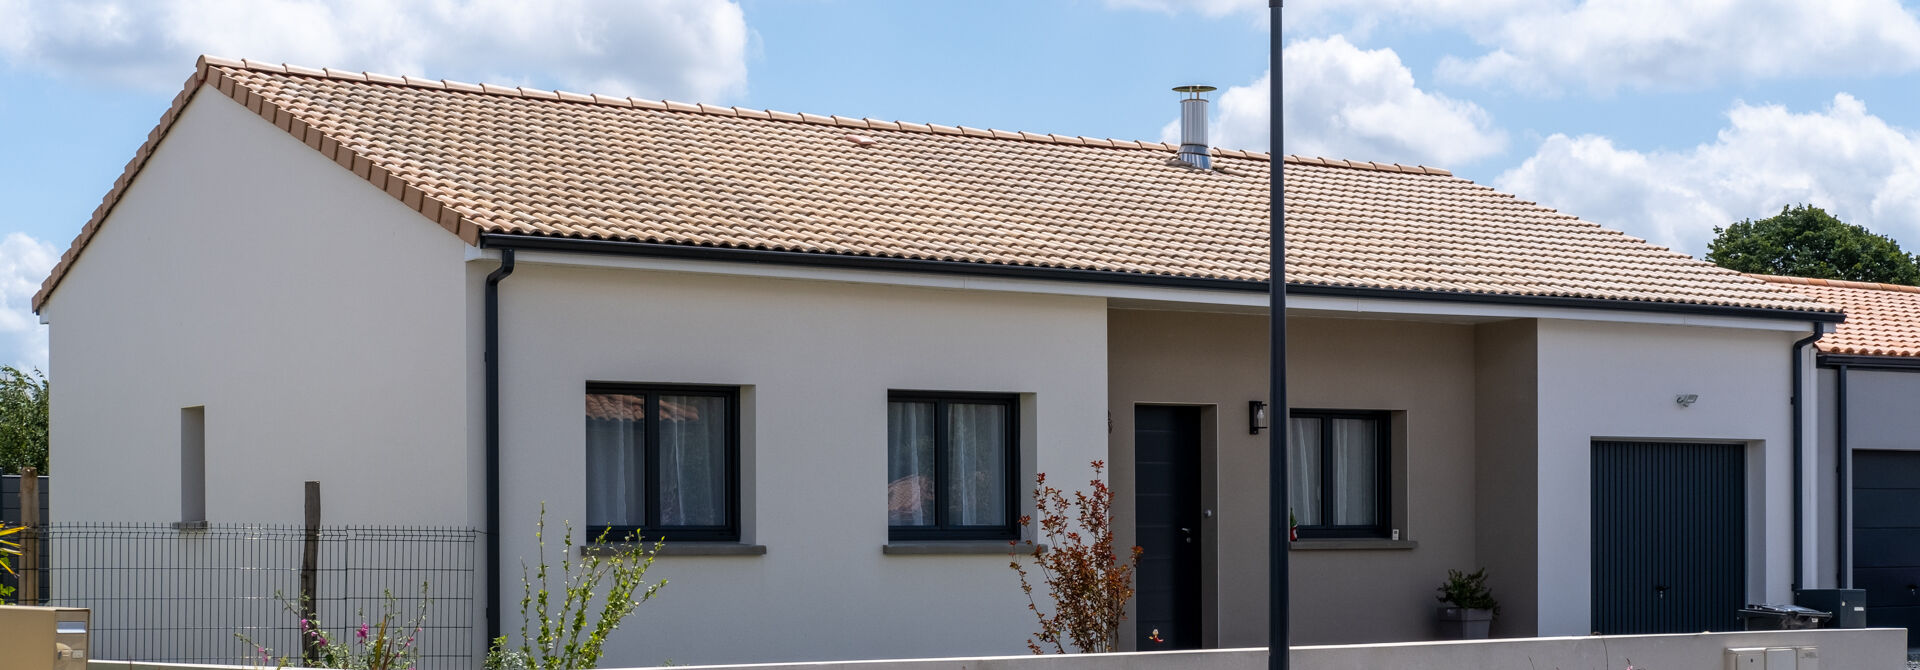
1356, 471
1303, 470
977, 464
910, 440
693, 460
616, 459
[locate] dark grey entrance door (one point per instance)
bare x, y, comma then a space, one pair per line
1886, 537
1669, 537
1166, 503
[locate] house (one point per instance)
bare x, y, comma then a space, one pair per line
1867, 466
824, 357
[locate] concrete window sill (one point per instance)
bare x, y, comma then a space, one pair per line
1351, 545
680, 549
956, 548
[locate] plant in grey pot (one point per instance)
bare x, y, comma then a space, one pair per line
1467, 606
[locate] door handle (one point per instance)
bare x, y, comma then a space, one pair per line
1661, 590
1186, 535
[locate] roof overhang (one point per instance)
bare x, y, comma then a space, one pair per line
1143, 289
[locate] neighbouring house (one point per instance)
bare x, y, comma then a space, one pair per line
1867, 469
824, 358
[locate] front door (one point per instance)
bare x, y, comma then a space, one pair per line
1669, 537
1166, 453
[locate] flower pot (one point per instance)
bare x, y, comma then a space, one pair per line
1460, 623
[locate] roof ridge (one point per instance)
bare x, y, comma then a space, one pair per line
867, 123
1834, 283
703, 108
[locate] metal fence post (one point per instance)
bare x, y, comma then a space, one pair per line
29, 572
309, 579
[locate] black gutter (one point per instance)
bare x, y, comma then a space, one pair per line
493, 440
1842, 498
1897, 363
1279, 526
1799, 442
811, 259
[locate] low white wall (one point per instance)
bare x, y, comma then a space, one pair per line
1869, 649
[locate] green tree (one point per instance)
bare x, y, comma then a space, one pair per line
23, 420
1806, 241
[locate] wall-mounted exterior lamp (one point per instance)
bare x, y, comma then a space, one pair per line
1256, 417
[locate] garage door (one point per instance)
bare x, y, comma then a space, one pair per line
1669, 537
1886, 536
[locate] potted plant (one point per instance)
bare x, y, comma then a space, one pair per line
1467, 606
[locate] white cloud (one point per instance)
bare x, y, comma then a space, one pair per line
685, 49
1843, 159
1605, 45
24, 262
1343, 102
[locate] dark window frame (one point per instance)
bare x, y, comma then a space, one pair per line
730, 532
1383, 494
940, 530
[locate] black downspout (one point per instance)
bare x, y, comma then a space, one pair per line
493, 441
1843, 498
1799, 475
1278, 524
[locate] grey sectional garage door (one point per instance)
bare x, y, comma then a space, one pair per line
1886, 536
1669, 537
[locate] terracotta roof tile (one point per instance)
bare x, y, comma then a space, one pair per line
1882, 319
491, 159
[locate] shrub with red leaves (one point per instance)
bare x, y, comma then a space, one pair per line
1088, 583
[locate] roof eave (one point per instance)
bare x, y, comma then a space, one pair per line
815, 259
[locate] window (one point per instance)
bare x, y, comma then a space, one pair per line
951, 462
1337, 473
193, 464
663, 461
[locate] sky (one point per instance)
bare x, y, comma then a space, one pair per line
1662, 119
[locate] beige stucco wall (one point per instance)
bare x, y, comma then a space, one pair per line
1506, 469
1423, 371
318, 320
815, 360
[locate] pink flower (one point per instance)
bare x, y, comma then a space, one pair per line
363, 632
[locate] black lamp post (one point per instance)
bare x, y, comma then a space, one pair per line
1277, 599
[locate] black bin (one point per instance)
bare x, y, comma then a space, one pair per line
1781, 617
1849, 606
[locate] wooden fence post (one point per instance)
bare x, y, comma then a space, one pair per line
29, 571
309, 578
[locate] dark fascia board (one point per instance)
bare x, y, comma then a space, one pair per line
733, 254
1864, 362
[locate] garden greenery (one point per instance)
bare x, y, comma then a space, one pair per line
388, 642
1468, 590
561, 639
1088, 583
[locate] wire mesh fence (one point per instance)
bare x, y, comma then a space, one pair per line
166, 594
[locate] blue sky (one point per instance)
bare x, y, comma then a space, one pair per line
1662, 119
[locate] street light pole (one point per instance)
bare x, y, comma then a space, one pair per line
1277, 514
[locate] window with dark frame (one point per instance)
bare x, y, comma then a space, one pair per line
1337, 473
952, 459
663, 462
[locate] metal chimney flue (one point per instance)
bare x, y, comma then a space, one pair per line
1194, 149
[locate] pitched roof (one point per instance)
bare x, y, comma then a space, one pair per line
1882, 319
483, 159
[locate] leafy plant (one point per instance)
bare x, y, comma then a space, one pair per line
562, 640
1468, 591
1088, 583
385, 643
8, 550
23, 420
